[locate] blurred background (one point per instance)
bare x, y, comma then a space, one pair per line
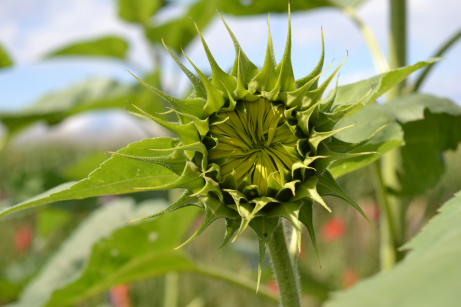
63, 85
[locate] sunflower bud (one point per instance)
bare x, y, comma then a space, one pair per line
255, 144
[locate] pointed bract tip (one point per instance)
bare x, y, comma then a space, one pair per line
140, 219
167, 112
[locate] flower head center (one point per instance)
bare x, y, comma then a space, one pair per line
251, 143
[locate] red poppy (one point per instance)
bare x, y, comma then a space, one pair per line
333, 229
120, 296
22, 239
349, 277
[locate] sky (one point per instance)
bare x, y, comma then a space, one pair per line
30, 29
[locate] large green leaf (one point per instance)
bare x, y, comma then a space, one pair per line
106, 46
129, 254
264, 6
5, 59
431, 125
138, 10
181, 31
367, 121
66, 263
88, 264
381, 84
117, 175
429, 276
411, 108
88, 95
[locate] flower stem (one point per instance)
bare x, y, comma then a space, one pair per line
386, 226
171, 289
392, 226
379, 60
284, 269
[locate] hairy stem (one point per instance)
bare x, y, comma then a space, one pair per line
379, 60
284, 269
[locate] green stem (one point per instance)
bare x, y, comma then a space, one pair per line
439, 53
171, 289
379, 60
284, 269
392, 223
387, 229
397, 42
237, 280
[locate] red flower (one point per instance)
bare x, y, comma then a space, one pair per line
119, 296
22, 239
349, 277
273, 287
333, 229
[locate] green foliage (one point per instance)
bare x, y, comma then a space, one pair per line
138, 10
103, 252
62, 267
264, 6
117, 175
5, 60
104, 47
51, 220
180, 32
380, 83
55, 107
431, 125
428, 276
367, 121
130, 253
85, 96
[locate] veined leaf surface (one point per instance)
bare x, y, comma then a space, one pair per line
428, 276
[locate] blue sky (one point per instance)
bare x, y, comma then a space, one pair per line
29, 29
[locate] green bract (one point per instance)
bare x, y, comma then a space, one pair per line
255, 145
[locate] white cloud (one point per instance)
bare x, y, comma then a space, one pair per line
48, 25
